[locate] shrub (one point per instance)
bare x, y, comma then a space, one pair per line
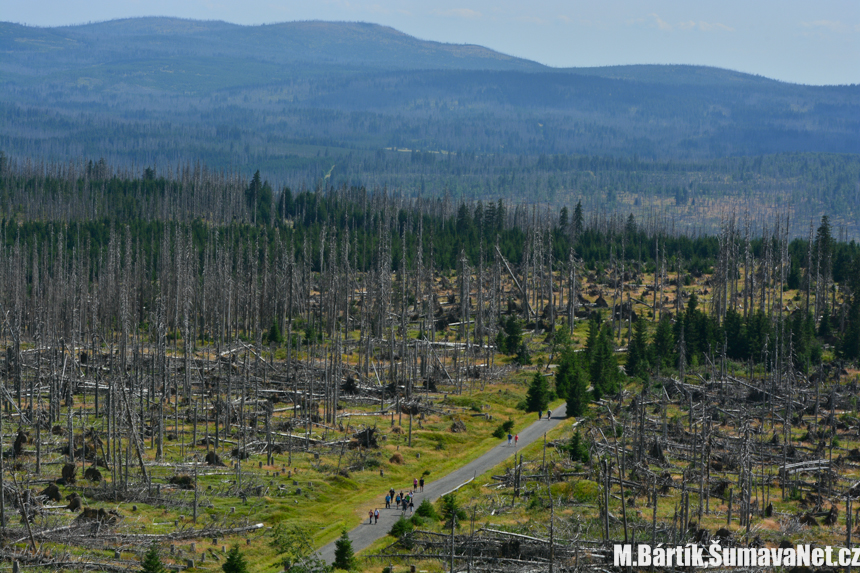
504, 429
450, 507
426, 509
535, 502
577, 449
401, 527
523, 357
274, 336
585, 491
397, 458
293, 545
371, 463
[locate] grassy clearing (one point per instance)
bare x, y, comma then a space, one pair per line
309, 491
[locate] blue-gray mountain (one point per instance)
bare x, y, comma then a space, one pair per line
321, 101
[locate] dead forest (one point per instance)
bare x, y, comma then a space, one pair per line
195, 375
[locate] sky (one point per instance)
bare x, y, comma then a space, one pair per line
799, 41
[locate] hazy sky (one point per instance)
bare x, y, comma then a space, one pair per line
804, 41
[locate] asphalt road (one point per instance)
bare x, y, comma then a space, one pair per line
365, 534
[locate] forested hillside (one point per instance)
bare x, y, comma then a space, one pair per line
357, 104
254, 277
226, 364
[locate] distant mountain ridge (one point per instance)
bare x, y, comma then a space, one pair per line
281, 97
680, 74
328, 43
338, 44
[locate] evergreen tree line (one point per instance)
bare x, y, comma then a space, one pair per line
269, 252
83, 202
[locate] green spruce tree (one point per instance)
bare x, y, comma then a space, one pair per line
577, 389
450, 508
578, 219
235, 562
151, 562
344, 557
825, 331
564, 372
594, 322
523, 357
577, 449
513, 335
663, 344
850, 346
638, 360
604, 366
537, 396
274, 336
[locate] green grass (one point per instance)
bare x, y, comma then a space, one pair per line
328, 503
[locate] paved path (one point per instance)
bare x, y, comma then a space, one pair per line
365, 534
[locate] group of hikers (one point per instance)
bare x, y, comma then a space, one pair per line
513, 440
404, 501
401, 501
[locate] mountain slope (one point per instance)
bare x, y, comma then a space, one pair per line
677, 75
340, 44
277, 97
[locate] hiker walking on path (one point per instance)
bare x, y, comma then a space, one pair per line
540, 414
376, 516
421, 483
370, 517
363, 537
549, 414
387, 501
516, 440
510, 437
414, 483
